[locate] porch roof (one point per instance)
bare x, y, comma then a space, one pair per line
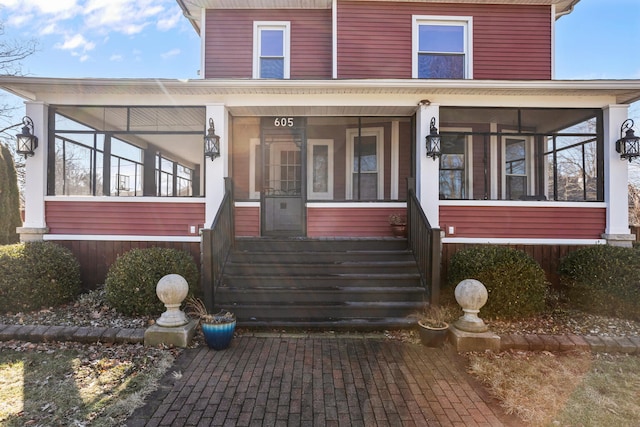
408, 93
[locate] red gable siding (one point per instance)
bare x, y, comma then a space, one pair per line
545, 222
124, 218
229, 42
509, 41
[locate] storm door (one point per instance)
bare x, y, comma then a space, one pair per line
283, 177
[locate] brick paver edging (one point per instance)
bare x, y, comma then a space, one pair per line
529, 342
82, 334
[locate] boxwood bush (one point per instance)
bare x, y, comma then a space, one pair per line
131, 280
35, 275
603, 280
515, 282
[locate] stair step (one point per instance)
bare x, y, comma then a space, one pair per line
319, 245
313, 311
314, 295
320, 269
326, 281
346, 324
318, 257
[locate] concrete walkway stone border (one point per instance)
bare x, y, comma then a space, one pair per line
527, 342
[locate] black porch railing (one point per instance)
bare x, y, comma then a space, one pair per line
216, 245
425, 243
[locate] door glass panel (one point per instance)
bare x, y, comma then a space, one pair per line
320, 168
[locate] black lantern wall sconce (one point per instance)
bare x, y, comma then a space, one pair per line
26, 141
211, 142
628, 145
433, 141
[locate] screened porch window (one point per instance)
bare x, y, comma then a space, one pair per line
125, 151
365, 161
453, 166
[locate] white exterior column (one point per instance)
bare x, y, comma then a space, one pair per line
427, 169
35, 190
616, 179
216, 170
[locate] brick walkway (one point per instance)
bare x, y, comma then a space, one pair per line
319, 381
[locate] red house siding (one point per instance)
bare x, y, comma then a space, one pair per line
509, 41
229, 42
247, 221
349, 222
523, 222
124, 218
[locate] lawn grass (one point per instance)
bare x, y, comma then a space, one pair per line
572, 389
78, 386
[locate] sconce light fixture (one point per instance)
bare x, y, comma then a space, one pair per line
433, 141
26, 141
211, 142
628, 145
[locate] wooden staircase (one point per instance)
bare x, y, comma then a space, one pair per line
362, 284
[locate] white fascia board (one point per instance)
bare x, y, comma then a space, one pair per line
120, 238
94, 199
523, 204
515, 241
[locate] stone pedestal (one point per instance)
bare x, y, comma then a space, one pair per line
177, 336
173, 327
31, 234
473, 341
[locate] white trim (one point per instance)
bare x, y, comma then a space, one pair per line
553, 41
247, 204
328, 195
528, 162
508, 241
464, 21
254, 143
258, 26
334, 39
527, 204
203, 40
101, 199
352, 133
353, 205
395, 160
116, 238
493, 162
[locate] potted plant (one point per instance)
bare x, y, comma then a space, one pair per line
433, 323
217, 328
398, 223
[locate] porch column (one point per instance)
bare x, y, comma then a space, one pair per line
616, 179
216, 170
427, 169
35, 226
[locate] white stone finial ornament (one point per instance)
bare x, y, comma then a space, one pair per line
472, 295
172, 289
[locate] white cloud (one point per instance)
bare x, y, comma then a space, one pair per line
116, 58
169, 22
170, 53
76, 42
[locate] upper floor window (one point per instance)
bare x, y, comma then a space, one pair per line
442, 47
271, 50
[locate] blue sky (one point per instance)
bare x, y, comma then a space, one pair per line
600, 39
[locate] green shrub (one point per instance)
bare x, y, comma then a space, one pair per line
603, 280
131, 280
35, 275
515, 282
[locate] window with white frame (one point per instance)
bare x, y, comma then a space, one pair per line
365, 164
271, 41
442, 47
320, 169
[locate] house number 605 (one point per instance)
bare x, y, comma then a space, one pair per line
283, 122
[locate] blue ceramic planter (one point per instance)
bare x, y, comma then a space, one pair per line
218, 335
